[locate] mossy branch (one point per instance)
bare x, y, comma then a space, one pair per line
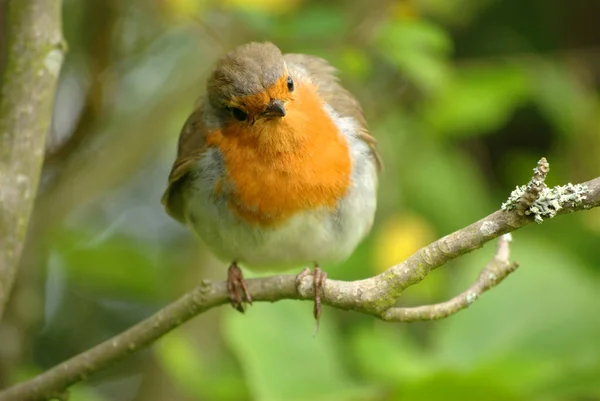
376, 295
35, 51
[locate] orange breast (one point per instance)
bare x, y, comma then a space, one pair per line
282, 166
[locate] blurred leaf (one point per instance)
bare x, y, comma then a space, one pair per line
419, 49
591, 220
387, 353
478, 100
283, 361
535, 335
562, 98
264, 6
443, 185
181, 361
404, 10
317, 21
355, 63
450, 386
182, 9
447, 11
85, 393
581, 381
542, 321
117, 265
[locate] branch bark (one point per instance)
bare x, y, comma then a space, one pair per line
493, 274
376, 295
35, 52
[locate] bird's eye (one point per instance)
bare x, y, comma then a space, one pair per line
238, 114
290, 84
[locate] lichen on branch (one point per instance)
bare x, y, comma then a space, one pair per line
537, 200
549, 202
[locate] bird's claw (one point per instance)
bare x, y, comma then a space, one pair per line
319, 278
237, 289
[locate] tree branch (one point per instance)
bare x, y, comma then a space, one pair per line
493, 274
35, 51
376, 295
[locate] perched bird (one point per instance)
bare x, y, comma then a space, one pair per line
275, 167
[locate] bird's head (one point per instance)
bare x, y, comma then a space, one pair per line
251, 84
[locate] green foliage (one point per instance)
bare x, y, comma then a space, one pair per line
418, 49
462, 107
477, 100
118, 266
281, 360
538, 325
562, 98
182, 361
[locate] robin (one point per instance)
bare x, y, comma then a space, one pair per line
275, 167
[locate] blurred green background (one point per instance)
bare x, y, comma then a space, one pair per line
464, 97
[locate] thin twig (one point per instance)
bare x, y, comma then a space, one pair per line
534, 187
493, 274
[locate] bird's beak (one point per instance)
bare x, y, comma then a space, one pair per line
275, 108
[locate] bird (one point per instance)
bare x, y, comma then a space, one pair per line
275, 167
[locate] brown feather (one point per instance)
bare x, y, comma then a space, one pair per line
192, 142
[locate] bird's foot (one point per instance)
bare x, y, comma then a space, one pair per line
236, 288
319, 277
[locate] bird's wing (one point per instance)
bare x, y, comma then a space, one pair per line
324, 76
192, 142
